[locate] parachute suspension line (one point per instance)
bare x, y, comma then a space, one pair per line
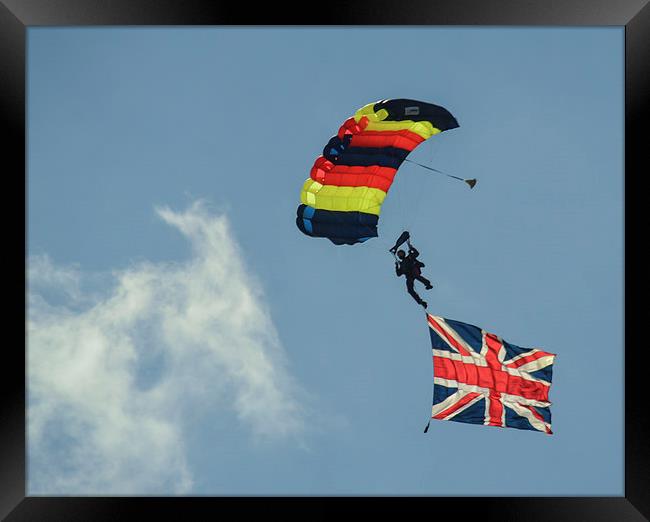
399, 197
415, 214
470, 182
377, 244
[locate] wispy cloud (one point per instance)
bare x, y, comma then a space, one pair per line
111, 382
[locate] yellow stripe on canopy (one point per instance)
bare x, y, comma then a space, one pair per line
422, 128
368, 112
344, 199
378, 122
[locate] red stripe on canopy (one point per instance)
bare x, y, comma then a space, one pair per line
373, 176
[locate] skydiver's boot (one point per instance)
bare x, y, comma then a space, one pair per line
424, 304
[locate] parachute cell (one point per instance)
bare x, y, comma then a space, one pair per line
342, 198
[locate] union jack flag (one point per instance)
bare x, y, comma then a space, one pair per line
479, 378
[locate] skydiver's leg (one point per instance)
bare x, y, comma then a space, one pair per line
411, 290
425, 281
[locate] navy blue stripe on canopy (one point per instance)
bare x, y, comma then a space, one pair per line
339, 152
339, 227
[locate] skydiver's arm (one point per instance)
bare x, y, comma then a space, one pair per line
413, 252
398, 272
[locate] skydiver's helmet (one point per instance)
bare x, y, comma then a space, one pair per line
401, 254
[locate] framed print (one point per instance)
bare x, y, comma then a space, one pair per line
219, 210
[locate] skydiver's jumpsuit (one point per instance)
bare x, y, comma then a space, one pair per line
409, 267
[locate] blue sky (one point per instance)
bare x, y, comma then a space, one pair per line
185, 338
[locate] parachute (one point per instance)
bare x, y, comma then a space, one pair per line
342, 198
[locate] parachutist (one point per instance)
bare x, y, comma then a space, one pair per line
409, 266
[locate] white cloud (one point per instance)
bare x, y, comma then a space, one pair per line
112, 385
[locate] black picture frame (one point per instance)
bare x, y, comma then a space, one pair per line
17, 15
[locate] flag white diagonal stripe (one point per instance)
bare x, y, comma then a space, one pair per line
449, 401
464, 407
537, 364
525, 412
441, 323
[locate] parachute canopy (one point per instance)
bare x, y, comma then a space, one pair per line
342, 198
